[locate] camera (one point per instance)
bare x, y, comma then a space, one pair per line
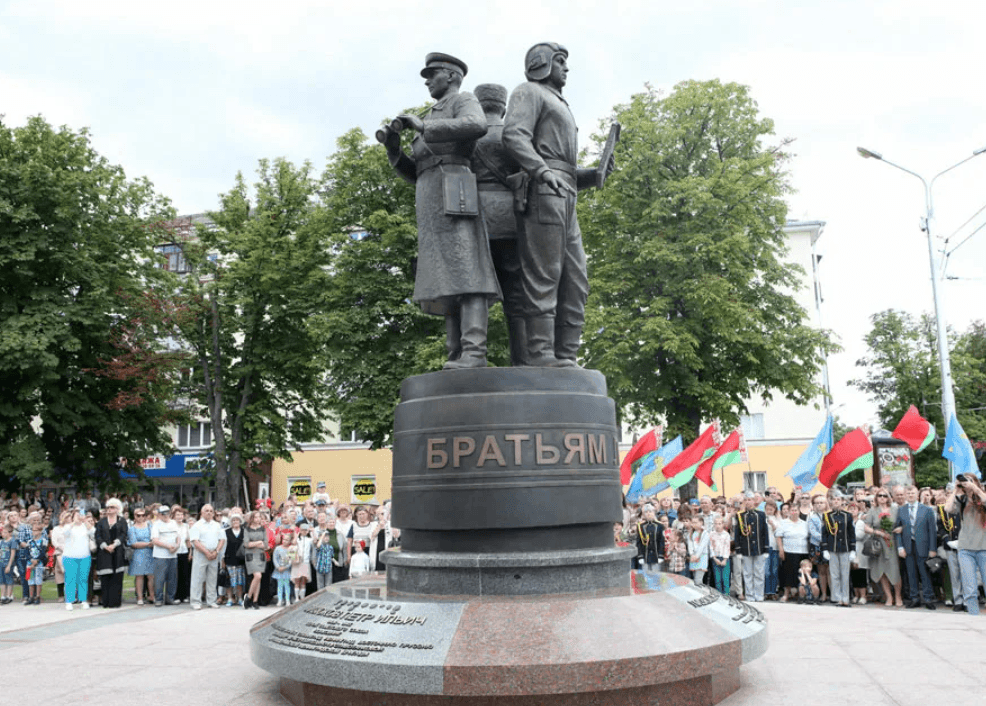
960, 478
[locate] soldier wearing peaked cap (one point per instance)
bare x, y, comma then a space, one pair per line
455, 276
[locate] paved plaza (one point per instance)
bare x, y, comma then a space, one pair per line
818, 655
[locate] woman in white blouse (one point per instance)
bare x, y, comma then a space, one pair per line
76, 560
792, 547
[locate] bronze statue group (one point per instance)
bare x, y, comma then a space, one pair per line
496, 181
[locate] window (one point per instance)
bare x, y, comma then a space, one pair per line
174, 258
755, 481
752, 425
195, 436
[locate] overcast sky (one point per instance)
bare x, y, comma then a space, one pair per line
189, 93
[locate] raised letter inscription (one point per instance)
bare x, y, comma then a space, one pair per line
349, 628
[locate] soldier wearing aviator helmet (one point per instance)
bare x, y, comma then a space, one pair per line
540, 134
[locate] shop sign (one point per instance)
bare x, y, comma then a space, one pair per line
300, 487
363, 489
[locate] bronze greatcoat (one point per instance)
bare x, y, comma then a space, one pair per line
453, 251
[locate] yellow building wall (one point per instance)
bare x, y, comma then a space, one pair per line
335, 467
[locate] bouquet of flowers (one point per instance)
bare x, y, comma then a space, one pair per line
886, 525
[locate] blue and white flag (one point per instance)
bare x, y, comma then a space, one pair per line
649, 480
958, 450
805, 470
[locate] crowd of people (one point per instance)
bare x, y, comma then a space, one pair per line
893, 546
227, 557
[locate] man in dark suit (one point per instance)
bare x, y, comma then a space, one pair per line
915, 544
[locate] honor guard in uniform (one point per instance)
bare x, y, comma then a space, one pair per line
752, 541
838, 546
539, 132
498, 177
454, 276
650, 539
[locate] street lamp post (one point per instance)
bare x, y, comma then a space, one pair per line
947, 394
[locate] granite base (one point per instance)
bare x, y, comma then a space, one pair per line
662, 640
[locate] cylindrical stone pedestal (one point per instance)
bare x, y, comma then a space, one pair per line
506, 481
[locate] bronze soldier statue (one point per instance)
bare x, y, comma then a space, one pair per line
539, 132
497, 175
455, 276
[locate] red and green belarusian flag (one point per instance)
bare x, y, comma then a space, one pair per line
850, 453
682, 468
913, 429
729, 453
651, 441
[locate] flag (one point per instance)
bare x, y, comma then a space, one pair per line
914, 430
649, 479
682, 468
851, 452
804, 472
729, 453
650, 441
958, 450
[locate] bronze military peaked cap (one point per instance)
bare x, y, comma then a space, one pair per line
437, 60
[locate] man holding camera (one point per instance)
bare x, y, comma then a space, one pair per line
969, 499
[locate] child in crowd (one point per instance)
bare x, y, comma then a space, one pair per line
807, 583
698, 549
719, 553
301, 567
283, 559
360, 563
677, 554
37, 552
324, 554
8, 548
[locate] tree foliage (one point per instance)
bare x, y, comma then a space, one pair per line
85, 382
691, 310
256, 275
901, 368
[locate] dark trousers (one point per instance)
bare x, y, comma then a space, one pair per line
22, 562
915, 566
112, 595
183, 583
553, 263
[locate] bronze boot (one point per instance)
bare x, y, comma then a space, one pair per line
473, 321
541, 344
568, 339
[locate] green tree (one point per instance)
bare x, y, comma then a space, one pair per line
901, 368
85, 381
255, 277
691, 311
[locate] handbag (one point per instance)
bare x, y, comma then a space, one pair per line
934, 564
224, 577
873, 547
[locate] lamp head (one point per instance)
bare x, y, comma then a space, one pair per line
868, 154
